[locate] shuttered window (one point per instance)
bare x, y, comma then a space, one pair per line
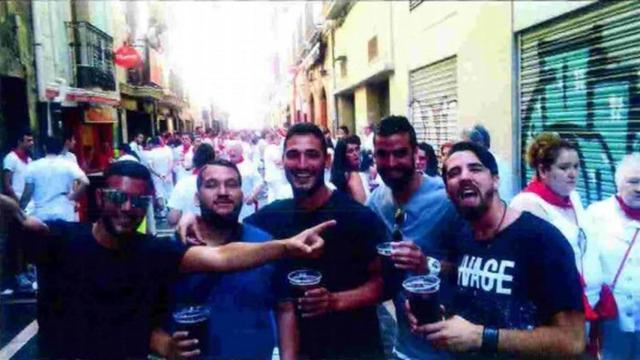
434, 102
578, 76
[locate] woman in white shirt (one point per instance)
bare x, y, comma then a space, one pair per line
551, 196
619, 220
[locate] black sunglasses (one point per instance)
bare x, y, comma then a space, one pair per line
119, 198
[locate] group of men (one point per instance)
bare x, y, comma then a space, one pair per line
509, 284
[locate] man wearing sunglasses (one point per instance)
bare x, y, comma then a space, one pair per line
416, 210
102, 285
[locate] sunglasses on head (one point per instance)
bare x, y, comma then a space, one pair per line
119, 198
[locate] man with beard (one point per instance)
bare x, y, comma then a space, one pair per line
240, 303
518, 291
102, 284
337, 320
416, 209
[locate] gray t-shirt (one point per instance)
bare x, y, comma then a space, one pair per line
429, 215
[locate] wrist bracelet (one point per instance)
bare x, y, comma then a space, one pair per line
489, 340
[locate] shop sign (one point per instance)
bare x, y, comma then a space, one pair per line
99, 115
127, 57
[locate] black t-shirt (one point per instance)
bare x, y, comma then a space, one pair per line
349, 249
517, 280
97, 303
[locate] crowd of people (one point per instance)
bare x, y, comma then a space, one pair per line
531, 274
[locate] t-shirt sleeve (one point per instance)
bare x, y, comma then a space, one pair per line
169, 255
9, 163
556, 281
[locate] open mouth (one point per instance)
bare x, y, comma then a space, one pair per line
468, 194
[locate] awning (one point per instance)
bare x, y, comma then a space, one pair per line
71, 94
149, 92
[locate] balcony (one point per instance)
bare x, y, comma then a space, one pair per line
92, 50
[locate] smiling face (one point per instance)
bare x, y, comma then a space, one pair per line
304, 164
123, 219
421, 161
395, 159
561, 177
470, 185
220, 192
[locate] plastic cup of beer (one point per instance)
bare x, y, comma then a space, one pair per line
422, 292
303, 280
195, 321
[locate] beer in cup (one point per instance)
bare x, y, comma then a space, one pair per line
195, 321
422, 292
303, 280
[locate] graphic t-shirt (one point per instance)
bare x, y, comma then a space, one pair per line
241, 303
517, 280
97, 303
348, 251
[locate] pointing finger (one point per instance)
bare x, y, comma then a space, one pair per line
322, 226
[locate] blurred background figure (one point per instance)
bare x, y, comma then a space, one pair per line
426, 160
345, 171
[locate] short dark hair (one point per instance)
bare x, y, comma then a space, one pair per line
396, 124
129, 168
483, 154
203, 155
68, 135
52, 145
307, 129
217, 162
352, 139
344, 128
21, 134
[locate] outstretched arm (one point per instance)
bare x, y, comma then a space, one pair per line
9, 209
238, 255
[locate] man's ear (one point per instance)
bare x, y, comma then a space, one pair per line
196, 200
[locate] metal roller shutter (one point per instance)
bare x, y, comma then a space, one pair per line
578, 76
434, 102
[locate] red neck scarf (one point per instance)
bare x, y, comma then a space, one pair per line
539, 188
22, 155
185, 148
629, 211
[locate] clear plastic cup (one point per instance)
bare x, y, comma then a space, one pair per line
422, 292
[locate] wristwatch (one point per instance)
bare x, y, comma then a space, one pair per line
433, 265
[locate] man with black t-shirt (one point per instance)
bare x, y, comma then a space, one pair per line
103, 286
337, 320
518, 290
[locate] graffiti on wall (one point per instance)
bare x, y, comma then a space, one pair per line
585, 88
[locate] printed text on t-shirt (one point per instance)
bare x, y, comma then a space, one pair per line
490, 275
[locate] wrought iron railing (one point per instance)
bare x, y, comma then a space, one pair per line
93, 53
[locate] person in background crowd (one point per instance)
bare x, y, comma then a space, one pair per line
68, 146
184, 158
426, 160
551, 196
127, 154
343, 131
480, 135
331, 144
160, 163
345, 174
103, 285
518, 293
242, 303
104, 157
251, 180
444, 150
416, 208
367, 142
50, 182
183, 198
617, 238
277, 185
14, 166
137, 145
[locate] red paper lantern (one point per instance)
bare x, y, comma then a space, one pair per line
127, 57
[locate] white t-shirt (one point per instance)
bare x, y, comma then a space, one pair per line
251, 179
127, 157
273, 172
18, 169
183, 195
136, 148
52, 178
69, 156
160, 159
